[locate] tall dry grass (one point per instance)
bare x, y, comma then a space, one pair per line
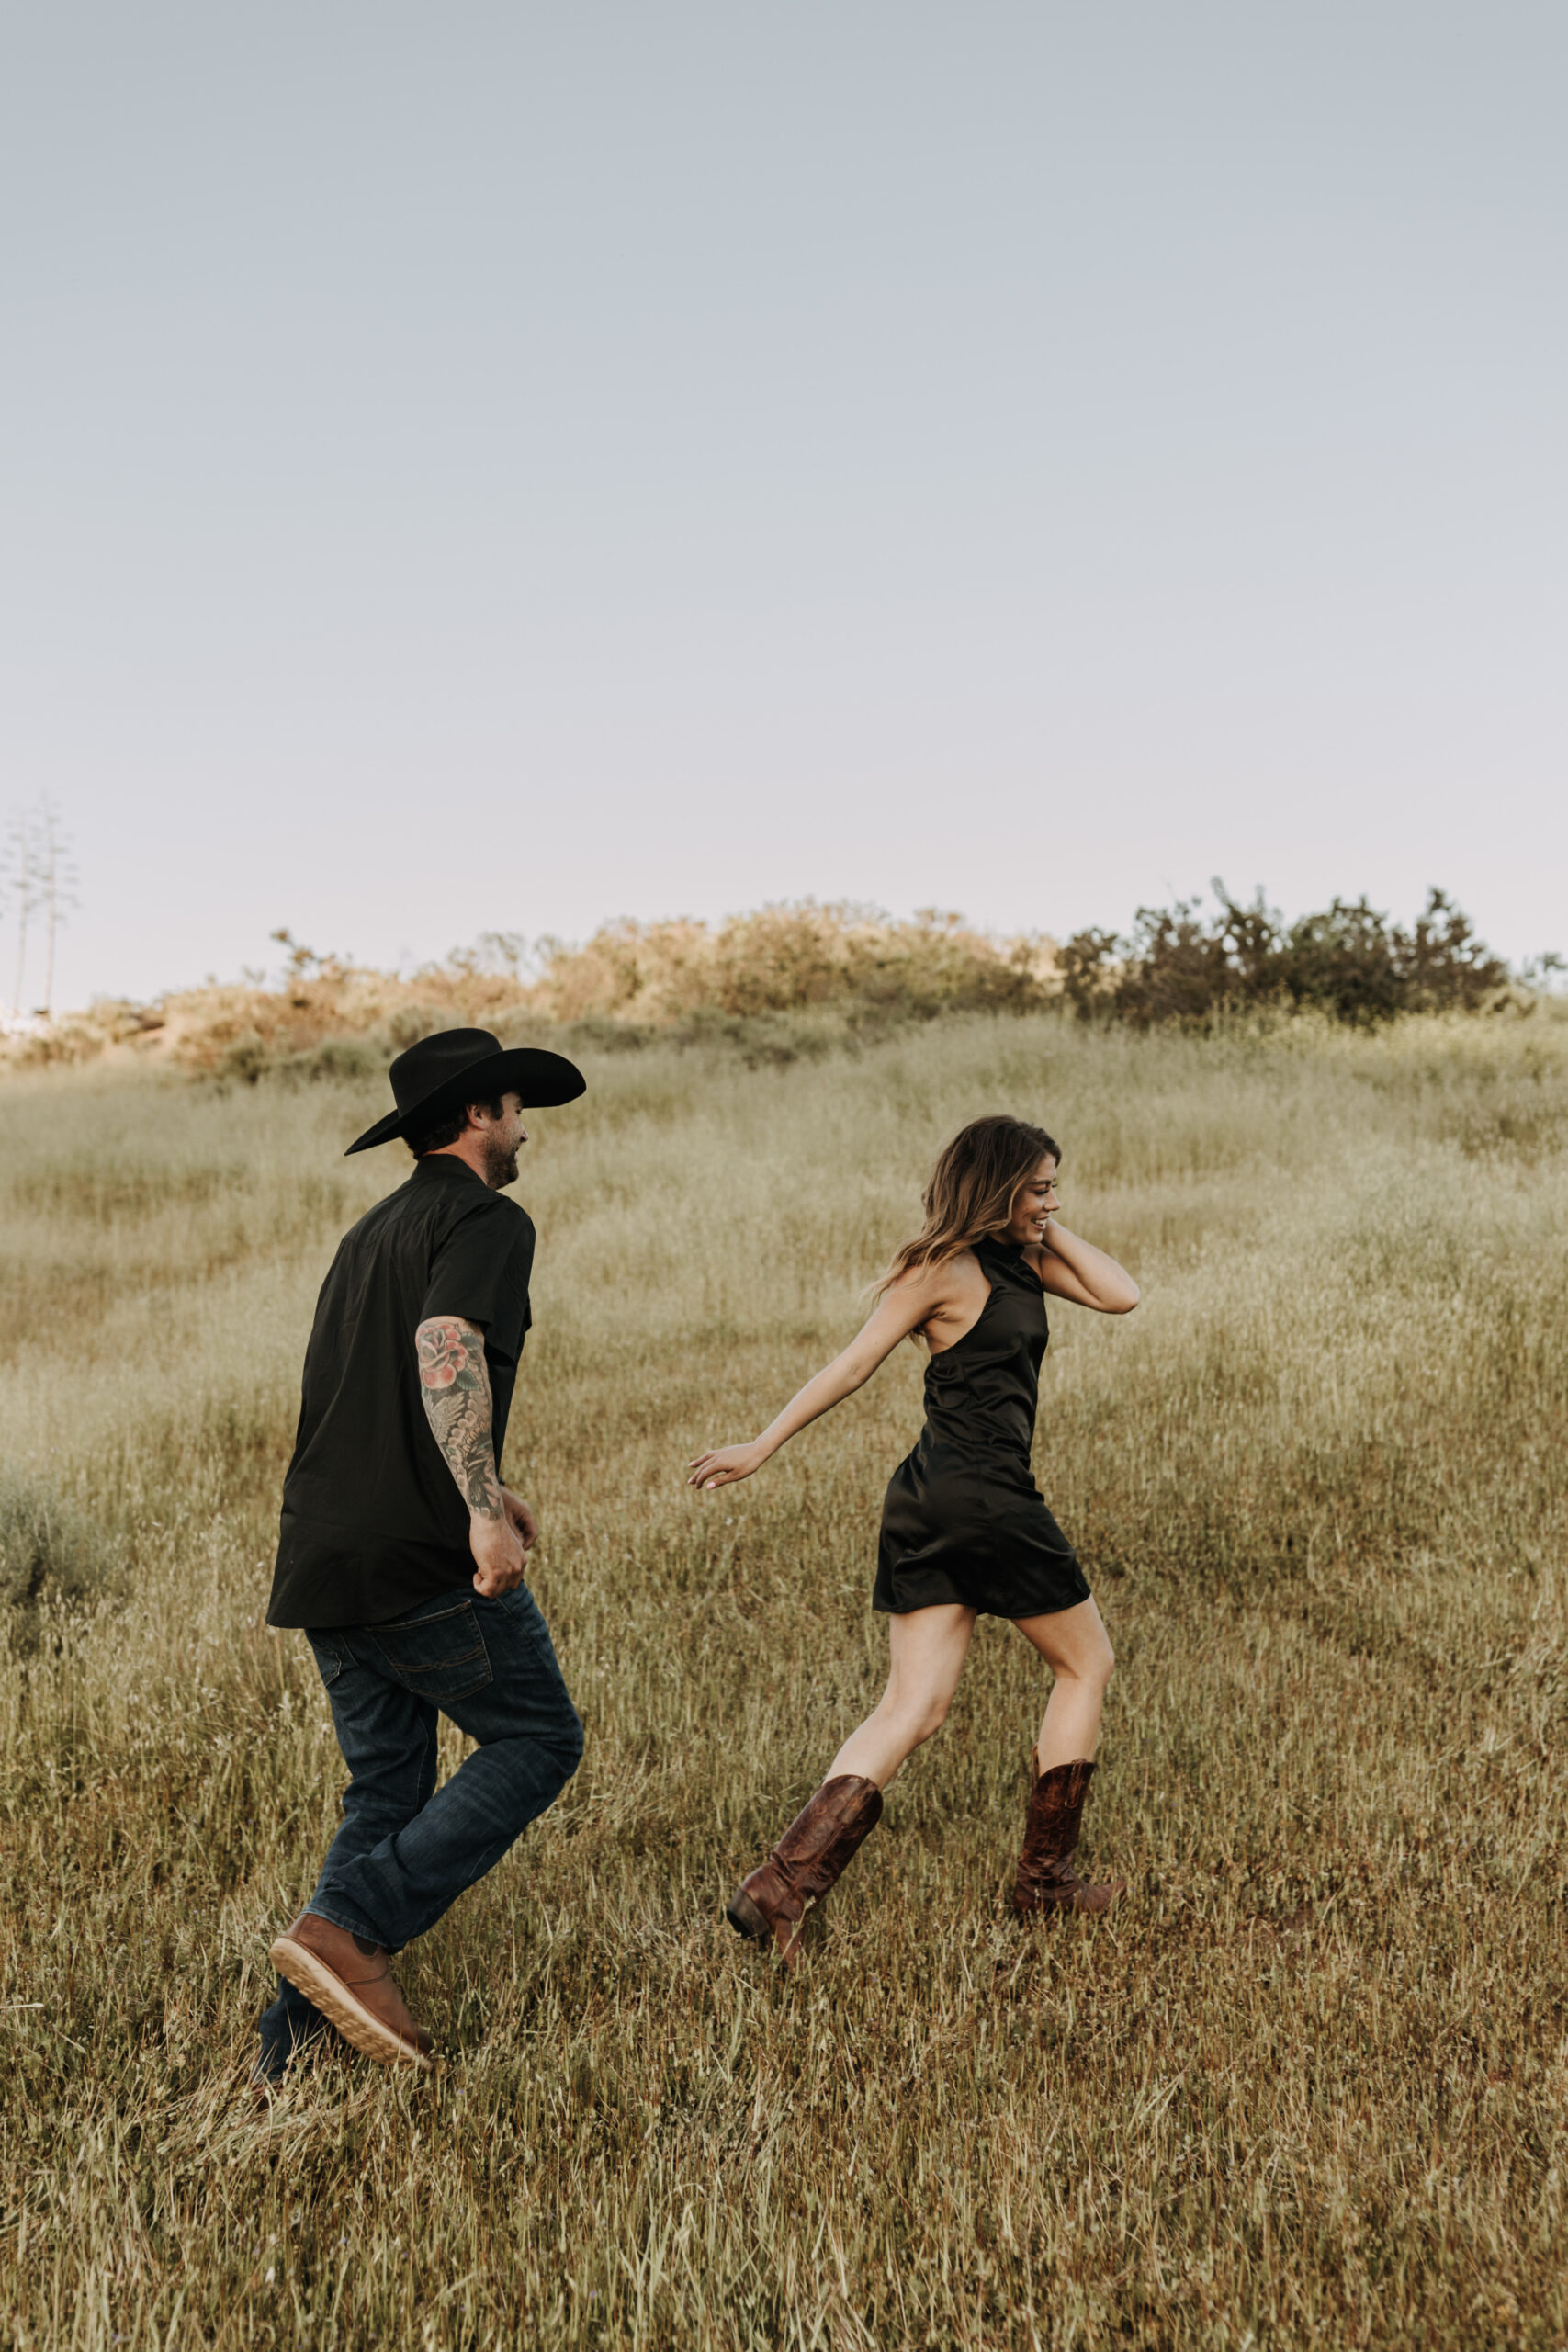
1306, 2086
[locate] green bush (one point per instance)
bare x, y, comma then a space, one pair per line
1349, 962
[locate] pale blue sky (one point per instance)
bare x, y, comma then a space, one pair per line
505, 466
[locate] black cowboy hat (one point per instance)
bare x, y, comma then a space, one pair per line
460, 1066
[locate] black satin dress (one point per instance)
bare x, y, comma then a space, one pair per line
964, 1519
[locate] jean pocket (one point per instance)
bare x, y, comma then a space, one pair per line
440, 1657
328, 1656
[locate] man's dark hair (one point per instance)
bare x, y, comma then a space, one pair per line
445, 1127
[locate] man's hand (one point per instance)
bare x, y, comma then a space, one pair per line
499, 1555
521, 1517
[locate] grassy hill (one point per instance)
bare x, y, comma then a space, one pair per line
1306, 2085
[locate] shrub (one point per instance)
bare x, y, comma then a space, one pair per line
789, 959
1349, 962
50, 1547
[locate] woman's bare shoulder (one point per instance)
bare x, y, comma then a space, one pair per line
948, 1273
941, 1291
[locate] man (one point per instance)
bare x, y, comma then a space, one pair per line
401, 1553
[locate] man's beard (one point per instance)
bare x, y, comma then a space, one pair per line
501, 1166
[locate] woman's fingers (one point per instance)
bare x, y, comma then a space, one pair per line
721, 1467
702, 1463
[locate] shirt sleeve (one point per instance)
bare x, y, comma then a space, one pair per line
481, 1272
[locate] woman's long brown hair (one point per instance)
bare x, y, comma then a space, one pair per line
973, 1189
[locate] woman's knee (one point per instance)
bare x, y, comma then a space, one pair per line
1099, 1667
920, 1719
1092, 1665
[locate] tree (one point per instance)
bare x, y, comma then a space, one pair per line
38, 879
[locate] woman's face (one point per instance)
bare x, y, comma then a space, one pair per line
1036, 1200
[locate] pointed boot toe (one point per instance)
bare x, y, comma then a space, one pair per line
772, 1903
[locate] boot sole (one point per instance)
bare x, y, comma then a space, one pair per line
1050, 1909
335, 2000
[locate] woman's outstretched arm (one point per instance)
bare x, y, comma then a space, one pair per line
910, 1303
1075, 1270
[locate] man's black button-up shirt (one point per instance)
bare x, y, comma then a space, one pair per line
372, 1518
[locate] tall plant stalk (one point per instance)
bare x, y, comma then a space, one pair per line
21, 881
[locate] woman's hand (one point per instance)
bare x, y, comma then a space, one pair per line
722, 1467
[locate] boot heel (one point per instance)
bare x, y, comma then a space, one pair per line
745, 1920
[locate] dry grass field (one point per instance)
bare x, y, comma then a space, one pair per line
1306, 2085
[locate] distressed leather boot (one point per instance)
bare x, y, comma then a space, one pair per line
1046, 1882
810, 1856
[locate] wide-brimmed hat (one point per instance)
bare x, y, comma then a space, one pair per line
459, 1066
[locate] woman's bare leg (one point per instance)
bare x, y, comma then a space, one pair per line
1076, 1646
927, 1652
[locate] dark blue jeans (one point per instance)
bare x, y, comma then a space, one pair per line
407, 1849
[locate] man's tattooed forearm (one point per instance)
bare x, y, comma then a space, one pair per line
451, 1355
453, 1385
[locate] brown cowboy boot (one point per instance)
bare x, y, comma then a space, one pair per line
1046, 1882
809, 1857
351, 1983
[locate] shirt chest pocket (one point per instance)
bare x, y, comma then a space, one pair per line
440, 1657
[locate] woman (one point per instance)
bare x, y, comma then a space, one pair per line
965, 1528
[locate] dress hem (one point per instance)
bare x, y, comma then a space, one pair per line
956, 1601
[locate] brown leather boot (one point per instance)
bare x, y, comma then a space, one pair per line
807, 1859
1046, 1882
351, 1983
